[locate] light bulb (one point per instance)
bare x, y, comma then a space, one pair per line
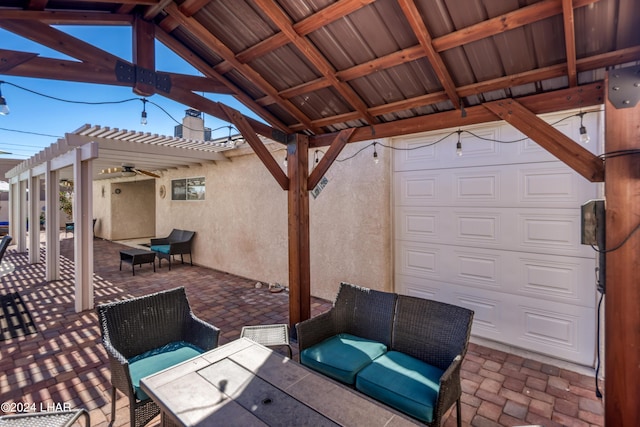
584, 136
285, 162
143, 118
376, 159
459, 148
4, 109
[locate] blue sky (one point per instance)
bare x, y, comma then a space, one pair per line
32, 114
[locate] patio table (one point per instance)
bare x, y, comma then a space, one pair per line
244, 383
137, 257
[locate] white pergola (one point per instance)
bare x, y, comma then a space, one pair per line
86, 152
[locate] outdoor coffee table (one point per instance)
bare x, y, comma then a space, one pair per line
244, 383
137, 257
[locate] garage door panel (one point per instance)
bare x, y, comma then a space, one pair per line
561, 330
537, 185
541, 276
549, 231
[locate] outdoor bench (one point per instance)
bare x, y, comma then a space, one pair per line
403, 351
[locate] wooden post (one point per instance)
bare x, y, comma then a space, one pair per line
299, 254
622, 300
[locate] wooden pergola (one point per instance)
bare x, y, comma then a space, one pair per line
328, 73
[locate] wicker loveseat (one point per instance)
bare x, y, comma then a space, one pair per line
403, 351
145, 335
178, 242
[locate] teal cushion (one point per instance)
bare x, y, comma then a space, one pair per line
403, 382
161, 248
158, 359
342, 356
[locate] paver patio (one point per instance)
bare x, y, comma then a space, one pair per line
64, 363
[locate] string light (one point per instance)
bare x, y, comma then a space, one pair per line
286, 161
376, 160
143, 116
459, 145
4, 108
584, 136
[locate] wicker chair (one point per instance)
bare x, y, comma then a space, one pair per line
430, 331
178, 242
4, 244
438, 334
137, 326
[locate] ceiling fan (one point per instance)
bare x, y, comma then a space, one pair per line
128, 170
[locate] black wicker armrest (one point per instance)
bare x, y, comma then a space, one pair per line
450, 388
120, 376
180, 247
202, 334
160, 241
316, 329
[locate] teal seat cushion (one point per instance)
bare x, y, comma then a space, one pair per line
342, 356
161, 248
402, 382
158, 359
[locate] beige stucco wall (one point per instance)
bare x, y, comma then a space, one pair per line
129, 214
241, 226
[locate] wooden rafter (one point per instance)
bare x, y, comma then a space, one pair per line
194, 27
205, 69
316, 58
564, 148
570, 41
144, 54
247, 131
342, 138
485, 29
419, 28
579, 97
584, 64
325, 16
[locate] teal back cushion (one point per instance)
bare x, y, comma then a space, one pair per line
403, 382
158, 359
161, 248
342, 356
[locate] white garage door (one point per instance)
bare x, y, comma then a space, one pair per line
497, 230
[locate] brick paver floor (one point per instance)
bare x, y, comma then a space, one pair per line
65, 364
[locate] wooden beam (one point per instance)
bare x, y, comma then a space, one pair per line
299, 242
144, 56
193, 27
67, 18
199, 64
419, 27
261, 151
500, 24
564, 148
11, 58
570, 41
330, 156
622, 301
579, 97
321, 18
317, 59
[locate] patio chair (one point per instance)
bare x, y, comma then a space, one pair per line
176, 243
46, 419
145, 335
4, 243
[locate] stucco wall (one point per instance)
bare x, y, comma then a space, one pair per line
129, 214
241, 226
